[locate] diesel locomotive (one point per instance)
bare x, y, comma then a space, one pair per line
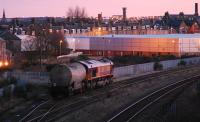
79, 76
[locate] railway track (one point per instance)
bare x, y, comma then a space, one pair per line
130, 113
58, 109
37, 107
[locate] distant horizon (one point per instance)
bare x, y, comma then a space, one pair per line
58, 8
66, 17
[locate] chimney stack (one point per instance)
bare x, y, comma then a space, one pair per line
196, 9
124, 13
100, 18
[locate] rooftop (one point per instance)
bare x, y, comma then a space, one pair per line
8, 36
142, 36
1, 39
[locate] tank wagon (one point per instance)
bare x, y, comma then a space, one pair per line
79, 76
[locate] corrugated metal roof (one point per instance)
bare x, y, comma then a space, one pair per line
142, 36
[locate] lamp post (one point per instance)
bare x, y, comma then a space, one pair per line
173, 45
60, 46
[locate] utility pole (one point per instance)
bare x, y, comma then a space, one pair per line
61, 47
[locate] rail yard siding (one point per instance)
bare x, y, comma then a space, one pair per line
39, 78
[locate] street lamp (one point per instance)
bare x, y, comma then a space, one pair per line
173, 45
60, 45
50, 31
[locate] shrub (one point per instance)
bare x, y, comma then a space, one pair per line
198, 89
191, 63
7, 93
131, 59
4, 83
7, 82
30, 87
80, 58
50, 67
83, 57
182, 63
13, 80
20, 91
157, 66
166, 57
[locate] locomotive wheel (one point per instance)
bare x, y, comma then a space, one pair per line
104, 82
110, 81
66, 92
107, 81
53, 93
92, 84
83, 88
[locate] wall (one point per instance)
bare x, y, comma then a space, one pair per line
133, 70
37, 78
10, 87
148, 67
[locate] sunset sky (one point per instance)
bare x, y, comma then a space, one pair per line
58, 8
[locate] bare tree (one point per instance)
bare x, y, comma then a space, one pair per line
70, 13
55, 39
46, 44
42, 40
83, 13
76, 12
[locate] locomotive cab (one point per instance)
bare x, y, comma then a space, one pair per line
98, 72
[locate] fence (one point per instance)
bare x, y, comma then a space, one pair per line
37, 78
42, 78
10, 88
148, 67
133, 69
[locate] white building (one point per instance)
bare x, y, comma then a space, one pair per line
149, 45
28, 43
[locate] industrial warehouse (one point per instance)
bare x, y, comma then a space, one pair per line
141, 45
